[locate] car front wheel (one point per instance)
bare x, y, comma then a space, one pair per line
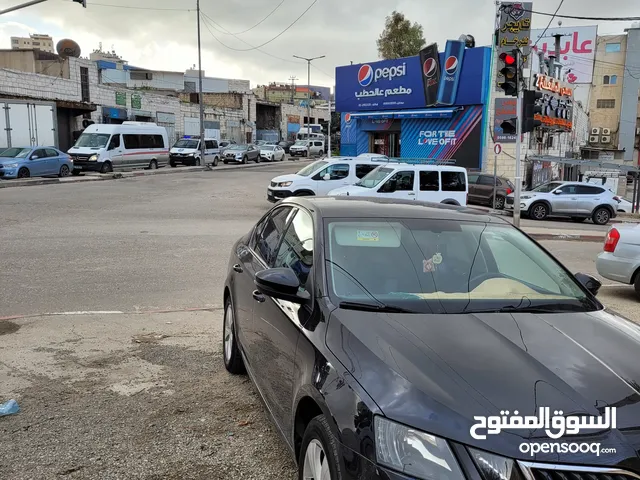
230, 351
601, 216
319, 458
539, 211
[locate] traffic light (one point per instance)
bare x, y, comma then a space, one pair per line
83, 2
509, 71
509, 126
530, 108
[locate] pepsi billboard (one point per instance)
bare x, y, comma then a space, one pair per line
400, 83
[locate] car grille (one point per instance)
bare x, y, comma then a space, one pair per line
81, 158
540, 471
509, 201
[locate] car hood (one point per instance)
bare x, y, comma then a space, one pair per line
290, 177
436, 372
234, 152
11, 160
351, 190
298, 146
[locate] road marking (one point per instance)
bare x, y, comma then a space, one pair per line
112, 312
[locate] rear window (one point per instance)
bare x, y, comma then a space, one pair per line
453, 182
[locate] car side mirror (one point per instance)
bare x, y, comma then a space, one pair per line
557, 192
327, 177
390, 187
589, 282
281, 283
34, 157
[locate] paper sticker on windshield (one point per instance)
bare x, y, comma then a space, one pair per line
368, 236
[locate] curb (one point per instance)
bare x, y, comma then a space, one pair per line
570, 238
139, 173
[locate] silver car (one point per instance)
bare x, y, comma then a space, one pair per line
620, 259
577, 200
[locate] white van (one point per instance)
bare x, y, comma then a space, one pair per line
307, 148
107, 147
186, 151
320, 177
425, 183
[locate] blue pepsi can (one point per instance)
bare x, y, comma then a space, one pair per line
451, 69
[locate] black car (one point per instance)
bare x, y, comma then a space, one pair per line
381, 334
286, 144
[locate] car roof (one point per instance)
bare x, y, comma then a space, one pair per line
371, 207
423, 166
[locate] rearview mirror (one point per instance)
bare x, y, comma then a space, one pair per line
589, 282
281, 283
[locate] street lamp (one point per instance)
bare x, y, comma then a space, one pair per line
309, 60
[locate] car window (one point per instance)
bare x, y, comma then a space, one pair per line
429, 181
40, 153
208, 144
52, 153
453, 182
317, 144
272, 229
585, 190
363, 169
485, 180
114, 142
473, 179
567, 190
296, 249
403, 181
337, 171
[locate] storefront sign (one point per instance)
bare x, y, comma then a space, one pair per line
136, 101
514, 32
121, 98
552, 85
113, 112
293, 118
556, 103
166, 117
505, 108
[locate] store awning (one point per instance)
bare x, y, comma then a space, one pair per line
427, 113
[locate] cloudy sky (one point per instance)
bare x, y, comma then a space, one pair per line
161, 34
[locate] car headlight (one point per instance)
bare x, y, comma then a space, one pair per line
414, 453
10, 165
284, 184
495, 467
191, 154
525, 197
93, 158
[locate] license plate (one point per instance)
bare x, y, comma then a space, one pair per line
77, 168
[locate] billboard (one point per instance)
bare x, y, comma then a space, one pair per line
506, 108
398, 84
556, 103
577, 51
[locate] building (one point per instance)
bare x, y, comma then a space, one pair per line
613, 108
293, 94
34, 41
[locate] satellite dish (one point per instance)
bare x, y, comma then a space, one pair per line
68, 48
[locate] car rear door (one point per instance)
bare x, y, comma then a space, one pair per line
588, 198
54, 162
484, 189
473, 180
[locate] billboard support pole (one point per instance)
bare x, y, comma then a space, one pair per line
495, 177
516, 199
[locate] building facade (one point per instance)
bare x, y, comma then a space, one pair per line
35, 41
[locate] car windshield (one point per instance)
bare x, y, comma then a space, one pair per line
547, 187
238, 147
15, 153
93, 140
267, 147
374, 177
309, 169
301, 143
445, 266
184, 143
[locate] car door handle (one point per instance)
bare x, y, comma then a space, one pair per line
258, 297
411, 193
238, 268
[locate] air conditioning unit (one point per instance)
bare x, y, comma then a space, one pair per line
606, 139
606, 131
594, 139
595, 131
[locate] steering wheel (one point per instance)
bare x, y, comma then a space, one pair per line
478, 279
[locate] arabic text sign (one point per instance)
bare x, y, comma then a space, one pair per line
577, 50
506, 108
514, 31
556, 103
555, 426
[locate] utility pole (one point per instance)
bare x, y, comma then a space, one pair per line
309, 60
293, 89
329, 135
201, 95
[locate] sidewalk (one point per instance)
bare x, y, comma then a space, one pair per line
542, 233
96, 177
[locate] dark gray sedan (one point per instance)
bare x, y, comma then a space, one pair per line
241, 153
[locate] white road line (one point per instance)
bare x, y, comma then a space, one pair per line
94, 312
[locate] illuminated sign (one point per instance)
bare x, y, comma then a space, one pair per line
552, 85
556, 103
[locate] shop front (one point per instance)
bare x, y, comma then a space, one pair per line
431, 107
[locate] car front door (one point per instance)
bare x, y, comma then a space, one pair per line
38, 162
589, 198
114, 150
334, 176
564, 199
400, 185
278, 323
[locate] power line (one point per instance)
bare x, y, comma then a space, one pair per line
549, 24
142, 8
261, 21
603, 19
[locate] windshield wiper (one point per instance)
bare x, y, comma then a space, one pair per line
369, 307
528, 309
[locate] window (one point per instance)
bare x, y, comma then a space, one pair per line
131, 141
614, 80
115, 142
84, 84
606, 103
336, 172
454, 182
40, 153
568, 190
400, 182
141, 76
158, 140
269, 237
612, 48
473, 179
363, 169
485, 180
296, 249
209, 144
15, 41
605, 80
317, 144
52, 153
36, 44
429, 182
585, 190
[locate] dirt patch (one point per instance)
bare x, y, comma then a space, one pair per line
7, 327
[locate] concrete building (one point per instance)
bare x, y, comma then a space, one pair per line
34, 41
293, 94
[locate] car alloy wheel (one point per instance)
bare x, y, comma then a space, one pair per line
539, 211
228, 333
64, 171
230, 350
601, 216
316, 466
499, 203
23, 173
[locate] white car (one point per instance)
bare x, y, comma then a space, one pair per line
307, 148
620, 259
624, 206
271, 153
577, 200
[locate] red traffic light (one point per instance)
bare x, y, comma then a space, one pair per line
508, 59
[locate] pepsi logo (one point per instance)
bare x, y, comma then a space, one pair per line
347, 117
365, 75
451, 65
429, 67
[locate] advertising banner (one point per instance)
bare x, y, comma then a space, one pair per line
450, 78
556, 103
505, 108
577, 51
514, 31
430, 61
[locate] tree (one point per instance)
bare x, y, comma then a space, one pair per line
400, 38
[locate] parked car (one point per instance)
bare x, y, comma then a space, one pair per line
307, 148
286, 144
259, 143
224, 144
620, 258
577, 200
380, 334
187, 151
320, 177
481, 190
241, 153
25, 162
403, 181
271, 153
624, 206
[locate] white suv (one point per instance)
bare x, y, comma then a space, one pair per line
577, 200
